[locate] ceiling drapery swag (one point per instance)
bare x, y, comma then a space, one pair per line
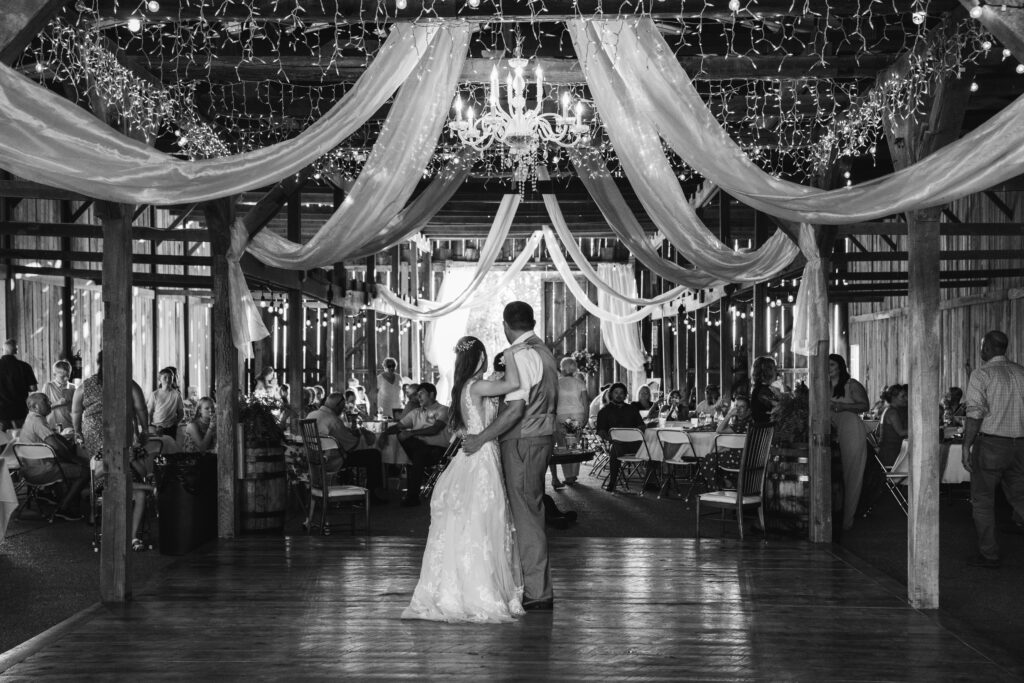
53, 141
651, 77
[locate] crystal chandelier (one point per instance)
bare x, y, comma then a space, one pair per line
521, 131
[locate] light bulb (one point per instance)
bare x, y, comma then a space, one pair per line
134, 24
1020, 68
153, 6
986, 45
919, 16
474, 3
734, 5
846, 174
976, 12
401, 4
40, 67
1006, 52
974, 86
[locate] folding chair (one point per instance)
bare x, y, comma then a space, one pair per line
682, 457
630, 464
322, 489
750, 483
40, 471
897, 476
435, 473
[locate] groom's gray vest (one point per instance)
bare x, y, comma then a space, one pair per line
539, 418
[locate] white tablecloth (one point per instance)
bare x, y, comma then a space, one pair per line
8, 498
702, 442
391, 451
950, 460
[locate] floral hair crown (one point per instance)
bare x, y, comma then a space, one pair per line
464, 345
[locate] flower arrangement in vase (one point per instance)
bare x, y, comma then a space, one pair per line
586, 362
572, 429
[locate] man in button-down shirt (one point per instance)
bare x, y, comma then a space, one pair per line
994, 442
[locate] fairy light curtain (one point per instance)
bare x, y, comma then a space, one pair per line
53, 141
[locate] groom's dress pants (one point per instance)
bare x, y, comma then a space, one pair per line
525, 461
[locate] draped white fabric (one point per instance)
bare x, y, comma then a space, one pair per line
639, 150
622, 341
246, 322
808, 328
468, 296
650, 77
577, 256
50, 140
406, 143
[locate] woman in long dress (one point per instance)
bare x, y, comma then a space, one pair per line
849, 400
471, 570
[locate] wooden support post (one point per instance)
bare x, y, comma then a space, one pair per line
296, 315
337, 378
759, 333
725, 347
415, 341
910, 140
67, 296
118, 436
923, 319
819, 418
700, 368
220, 215
371, 335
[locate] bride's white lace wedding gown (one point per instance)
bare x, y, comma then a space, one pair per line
471, 569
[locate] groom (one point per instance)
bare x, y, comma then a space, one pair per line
525, 428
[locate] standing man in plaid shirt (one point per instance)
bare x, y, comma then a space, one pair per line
994, 443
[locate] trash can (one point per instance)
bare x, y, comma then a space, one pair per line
187, 501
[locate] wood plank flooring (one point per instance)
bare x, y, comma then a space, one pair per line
650, 609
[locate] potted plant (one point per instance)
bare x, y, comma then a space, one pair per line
264, 486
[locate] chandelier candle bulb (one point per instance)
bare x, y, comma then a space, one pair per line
565, 105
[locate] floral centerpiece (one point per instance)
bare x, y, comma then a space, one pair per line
258, 416
572, 429
586, 362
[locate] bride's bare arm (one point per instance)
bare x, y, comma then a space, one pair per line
509, 382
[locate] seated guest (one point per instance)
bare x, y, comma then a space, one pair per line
618, 414
889, 436
190, 403
712, 404
648, 410
600, 401
266, 384
356, 446
319, 394
287, 415
737, 420
166, 409
424, 436
876, 410
412, 399
60, 392
75, 467
674, 410
201, 432
953, 408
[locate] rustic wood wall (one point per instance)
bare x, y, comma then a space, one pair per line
878, 330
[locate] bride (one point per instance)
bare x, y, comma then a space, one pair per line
471, 569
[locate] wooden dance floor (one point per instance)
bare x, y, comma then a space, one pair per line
669, 609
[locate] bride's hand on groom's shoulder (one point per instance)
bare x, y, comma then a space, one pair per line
471, 443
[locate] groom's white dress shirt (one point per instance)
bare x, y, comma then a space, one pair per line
531, 370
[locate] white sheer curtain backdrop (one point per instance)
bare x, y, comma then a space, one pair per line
444, 331
651, 79
50, 140
639, 150
622, 340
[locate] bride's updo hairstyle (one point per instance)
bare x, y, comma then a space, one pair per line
470, 356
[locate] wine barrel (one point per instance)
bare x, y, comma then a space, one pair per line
263, 493
787, 489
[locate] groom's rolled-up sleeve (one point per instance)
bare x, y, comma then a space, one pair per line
530, 373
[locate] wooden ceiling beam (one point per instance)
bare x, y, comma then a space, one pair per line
1007, 26
961, 255
96, 231
20, 22
894, 228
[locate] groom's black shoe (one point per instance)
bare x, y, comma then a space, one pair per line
539, 605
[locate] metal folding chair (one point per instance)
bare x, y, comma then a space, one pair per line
39, 470
897, 476
677, 442
630, 464
435, 473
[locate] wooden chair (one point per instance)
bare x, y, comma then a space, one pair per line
630, 464
750, 482
320, 486
39, 470
682, 457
